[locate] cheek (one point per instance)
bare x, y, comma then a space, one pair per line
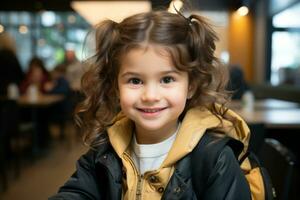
180, 101
177, 97
179, 92
127, 98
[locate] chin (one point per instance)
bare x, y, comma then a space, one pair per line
150, 127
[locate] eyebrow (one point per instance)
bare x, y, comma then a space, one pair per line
129, 73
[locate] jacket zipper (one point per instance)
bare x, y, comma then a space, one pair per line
139, 188
138, 193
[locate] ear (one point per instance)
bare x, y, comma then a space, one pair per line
191, 91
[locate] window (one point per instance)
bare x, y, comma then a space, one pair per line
45, 34
285, 62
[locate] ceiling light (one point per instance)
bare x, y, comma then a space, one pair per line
175, 5
95, 11
243, 11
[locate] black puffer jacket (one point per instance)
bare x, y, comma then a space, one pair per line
217, 177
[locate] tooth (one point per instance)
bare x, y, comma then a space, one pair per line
150, 110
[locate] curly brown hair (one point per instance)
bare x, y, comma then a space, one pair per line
190, 43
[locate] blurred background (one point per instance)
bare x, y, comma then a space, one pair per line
43, 44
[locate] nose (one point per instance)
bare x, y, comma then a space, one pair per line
151, 93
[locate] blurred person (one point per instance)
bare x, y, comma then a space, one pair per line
74, 70
237, 83
33, 85
60, 112
58, 84
10, 68
37, 76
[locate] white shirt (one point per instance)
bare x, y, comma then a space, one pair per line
148, 157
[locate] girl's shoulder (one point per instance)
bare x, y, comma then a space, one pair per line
213, 161
213, 151
213, 143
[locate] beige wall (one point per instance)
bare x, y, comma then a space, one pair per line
222, 44
240, 43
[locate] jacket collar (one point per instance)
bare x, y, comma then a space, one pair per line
120, 133
194, 125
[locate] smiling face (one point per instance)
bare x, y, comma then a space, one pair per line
152, 92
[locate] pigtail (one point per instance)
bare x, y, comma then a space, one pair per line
106, 35
210, 75
99, 107
202, 42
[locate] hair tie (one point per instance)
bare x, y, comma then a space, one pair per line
189, 19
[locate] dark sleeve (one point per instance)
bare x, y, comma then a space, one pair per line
61, 87
227, 181
10, 70
82, 185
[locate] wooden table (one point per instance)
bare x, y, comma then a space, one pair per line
39, 116
41, 101
273, 113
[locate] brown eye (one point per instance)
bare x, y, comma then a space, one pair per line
135, 81
167, 79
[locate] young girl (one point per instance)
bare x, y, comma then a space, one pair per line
154, 90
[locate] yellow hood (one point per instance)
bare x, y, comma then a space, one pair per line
193, 126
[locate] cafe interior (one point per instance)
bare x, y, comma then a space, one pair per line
49, 42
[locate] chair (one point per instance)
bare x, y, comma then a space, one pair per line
280, 163
8, 124
61, 114
257, 137
12, 144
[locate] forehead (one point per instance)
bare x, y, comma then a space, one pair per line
147, 54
